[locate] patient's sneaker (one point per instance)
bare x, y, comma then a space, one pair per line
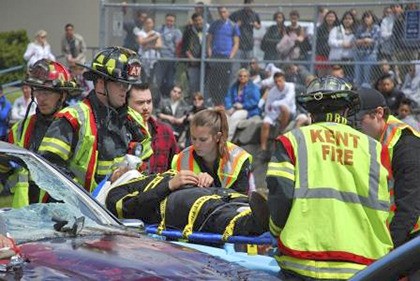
260, 212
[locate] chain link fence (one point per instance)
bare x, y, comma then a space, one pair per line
188, 45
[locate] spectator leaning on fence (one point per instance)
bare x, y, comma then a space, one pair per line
73, 47
38, 49
222, 43
241, 101
273, 36
131, 26
341, 41
367, 39
387, 23
191, 48
247, 19
165, 70
150, 43
404, 50
322, 49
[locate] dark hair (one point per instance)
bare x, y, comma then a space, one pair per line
336, 22
177, 86
170, 15
407, 101
195, 15
279, 74
353, 26
140, 86
276, 14
216, 120
294, 13
68, 25
369, 13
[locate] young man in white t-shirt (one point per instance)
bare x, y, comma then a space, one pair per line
280, 106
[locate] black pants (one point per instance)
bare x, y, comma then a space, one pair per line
214, 215
219, 79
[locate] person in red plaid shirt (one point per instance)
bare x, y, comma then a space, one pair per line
164, 144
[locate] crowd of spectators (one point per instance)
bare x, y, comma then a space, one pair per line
361, 50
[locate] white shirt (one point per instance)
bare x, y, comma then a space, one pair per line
34, 52
19, 108
285, 97
336, 40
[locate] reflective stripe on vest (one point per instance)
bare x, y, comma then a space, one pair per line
320, 269
228, 169
389, 139
18, 184
371, 201
21, 133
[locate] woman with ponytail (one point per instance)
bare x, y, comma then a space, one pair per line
217, 162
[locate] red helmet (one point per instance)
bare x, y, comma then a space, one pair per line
51, 75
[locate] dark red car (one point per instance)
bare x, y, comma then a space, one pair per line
73, 237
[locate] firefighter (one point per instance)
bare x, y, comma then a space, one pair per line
328, 193
402, 144
51, 84
88, 140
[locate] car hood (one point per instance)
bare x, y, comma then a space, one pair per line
119, 257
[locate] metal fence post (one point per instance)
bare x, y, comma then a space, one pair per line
203, 54
102, 24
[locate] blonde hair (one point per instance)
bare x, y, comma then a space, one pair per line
216, 120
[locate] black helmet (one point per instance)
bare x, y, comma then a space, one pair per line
116, 64
51, 75
329, 94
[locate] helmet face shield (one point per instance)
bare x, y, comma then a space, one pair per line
329, 94
328, 84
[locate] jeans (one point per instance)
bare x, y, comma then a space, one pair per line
362, 72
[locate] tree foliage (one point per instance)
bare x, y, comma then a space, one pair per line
12, 45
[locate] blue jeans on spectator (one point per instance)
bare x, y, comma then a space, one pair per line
362, 71
165, 76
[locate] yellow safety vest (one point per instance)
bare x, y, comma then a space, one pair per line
337, 223
84, 162
390, 137
146, 143
18, 181
228, 171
